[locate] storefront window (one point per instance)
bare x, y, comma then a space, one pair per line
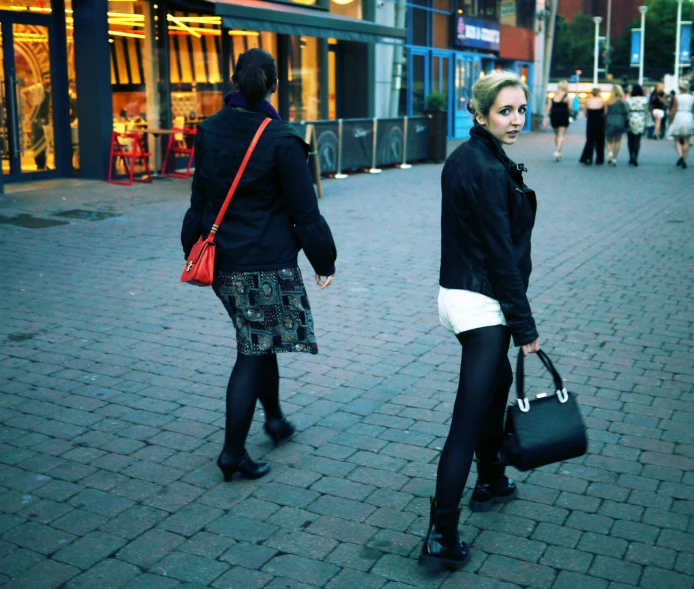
242, 41
508, 13
350, 8
420, 26
304, 79
418, 81
43, 7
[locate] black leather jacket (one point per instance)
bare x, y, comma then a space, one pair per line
487, 218
274, 212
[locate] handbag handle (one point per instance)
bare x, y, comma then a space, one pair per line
237, 179
520, 378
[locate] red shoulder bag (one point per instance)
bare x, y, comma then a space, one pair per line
199, 270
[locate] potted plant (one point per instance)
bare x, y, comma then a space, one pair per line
435, 105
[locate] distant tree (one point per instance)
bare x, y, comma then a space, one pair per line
573, 44
661, 25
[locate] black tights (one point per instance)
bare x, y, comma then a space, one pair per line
634, 144
253, 378
478, 414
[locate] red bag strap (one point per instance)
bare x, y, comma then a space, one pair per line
237, 179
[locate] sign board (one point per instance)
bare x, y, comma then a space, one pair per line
685, 44
635, 59
480, 34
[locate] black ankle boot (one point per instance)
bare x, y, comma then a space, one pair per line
492, 487
279, 430
442, 546
249, 469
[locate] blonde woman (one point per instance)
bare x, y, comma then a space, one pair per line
557, 113
616, 119
682, 126
487, 219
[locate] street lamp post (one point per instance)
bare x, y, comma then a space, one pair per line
677, 43
642, 10
608, 52
597, 20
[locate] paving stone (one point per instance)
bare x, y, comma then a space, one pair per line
108, 574
342, 530
656, 578
569, 580
469, 581
248, 555
241, 528
148, 581
635, 531
391, 519
134, 521
567, 559
612, 569
173, 497
100, 502
349, 579
44, 511
39, 538
190, 519
149, 548
392, 542
47, 574
190, 568
89, 550
590, 523
646, 554
509, 545
343, 488
18, 561
206, 544
286, 495
558, 535
300, 543
605, 545
79, 522
405, 570
301, 569
354, 556
676, 540
242, 577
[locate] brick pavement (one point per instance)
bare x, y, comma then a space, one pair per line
111, 396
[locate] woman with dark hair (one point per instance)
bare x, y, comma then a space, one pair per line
273, 214
637, 105
595, 129
487, 218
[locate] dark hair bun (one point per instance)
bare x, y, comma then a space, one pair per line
255, 74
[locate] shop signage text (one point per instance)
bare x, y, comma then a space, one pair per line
470, 32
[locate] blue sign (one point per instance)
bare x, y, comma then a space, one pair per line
685, 43
470, 32
635, 47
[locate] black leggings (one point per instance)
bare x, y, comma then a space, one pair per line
253, 378
478, 414
634, 144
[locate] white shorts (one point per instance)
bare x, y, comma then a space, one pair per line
658, 113
463, 310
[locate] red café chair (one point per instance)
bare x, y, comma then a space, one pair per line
180, 143
126, 147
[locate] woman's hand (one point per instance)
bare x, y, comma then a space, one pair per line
323, 283
531, 348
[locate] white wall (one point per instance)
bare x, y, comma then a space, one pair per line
385, 15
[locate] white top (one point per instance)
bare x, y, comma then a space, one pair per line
463, 310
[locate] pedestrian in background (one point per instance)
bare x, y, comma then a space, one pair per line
487, 219
657, 107
637, 104
557, 113
682, 126
616, 120
595, 129
272, 215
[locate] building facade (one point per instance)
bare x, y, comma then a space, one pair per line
452, 43
73, 70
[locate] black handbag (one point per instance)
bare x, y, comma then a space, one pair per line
543, 430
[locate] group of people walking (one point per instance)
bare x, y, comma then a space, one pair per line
488, 215
607, 121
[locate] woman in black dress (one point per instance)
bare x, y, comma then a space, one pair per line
595, 129
274, 214
557, 112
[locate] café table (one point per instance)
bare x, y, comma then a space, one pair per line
157, 133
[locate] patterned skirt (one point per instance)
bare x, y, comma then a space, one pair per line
270, 311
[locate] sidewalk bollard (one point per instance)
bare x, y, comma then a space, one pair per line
404, 165
339, 174
374, 169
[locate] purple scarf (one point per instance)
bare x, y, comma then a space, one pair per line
237, 100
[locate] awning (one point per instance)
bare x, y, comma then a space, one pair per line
256, 15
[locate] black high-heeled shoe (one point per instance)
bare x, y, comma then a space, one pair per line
249, 469
279, 430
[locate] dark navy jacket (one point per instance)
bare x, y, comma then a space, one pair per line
487, 218
274, 212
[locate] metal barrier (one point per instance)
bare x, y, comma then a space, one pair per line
369, 144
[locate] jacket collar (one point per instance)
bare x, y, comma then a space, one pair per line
478, 132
